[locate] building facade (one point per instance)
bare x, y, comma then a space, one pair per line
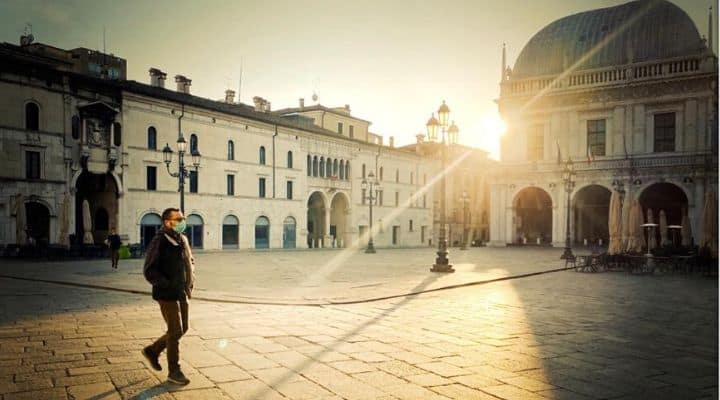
629, 93
83, 152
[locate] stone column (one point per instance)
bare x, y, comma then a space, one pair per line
327, 240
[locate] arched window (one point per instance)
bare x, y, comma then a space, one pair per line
193, 144
231, 150
397, 176
309, 165
152, 138
363, 171
117, 134
321, 167
347, 170
32, 117
315, 166
262, 155
289, 159
328, 167
262, 233
194, 230
342, 170
335, 167
230, 232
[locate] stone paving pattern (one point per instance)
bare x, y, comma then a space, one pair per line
562, 335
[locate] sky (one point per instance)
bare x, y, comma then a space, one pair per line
393, 62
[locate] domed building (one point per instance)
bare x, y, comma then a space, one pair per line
628, 95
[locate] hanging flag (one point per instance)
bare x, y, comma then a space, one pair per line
559, 156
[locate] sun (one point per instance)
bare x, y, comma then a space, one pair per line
485, 134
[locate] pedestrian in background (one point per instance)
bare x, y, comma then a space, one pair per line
169, 268
113, 241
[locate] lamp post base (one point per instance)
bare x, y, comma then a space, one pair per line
370, 250
442, 264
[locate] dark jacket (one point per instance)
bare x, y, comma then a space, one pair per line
164, 266
114, 241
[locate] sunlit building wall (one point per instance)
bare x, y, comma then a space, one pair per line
629, 93
266, 179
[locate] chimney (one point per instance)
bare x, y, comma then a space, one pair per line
157, 78
267, 106
418, 145
259, 103
391, 141
347, 107
302, 103
183, 84
230, 96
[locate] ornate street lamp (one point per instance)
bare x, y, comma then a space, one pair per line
183, 172
568, 176
370, 186
465, 200
442, 264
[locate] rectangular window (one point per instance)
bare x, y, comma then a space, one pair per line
32, 164
596, 137
231, 185
340, 128
424, 201
151, 176
364, 195
380, 193
395, 234
535, 143
193, 182
352, 131
411, 227
261, 187
289, 189
664, 132
397, 199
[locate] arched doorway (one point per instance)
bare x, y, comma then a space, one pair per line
664, 196
532, 210
338, 219
230, 232
262, 233
194, 231
149, 225
289, 233
315, 220
591, 208
101, 192
38, 223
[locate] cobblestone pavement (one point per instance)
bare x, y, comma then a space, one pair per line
302, 277
562, 335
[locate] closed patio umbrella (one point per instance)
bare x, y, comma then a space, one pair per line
87, 223
625, 224
663, 229
615, 224
710, 223
686, 229
652, 240
636, 240
20, 222
64, 238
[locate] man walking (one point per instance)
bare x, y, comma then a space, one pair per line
113, 241
169, 268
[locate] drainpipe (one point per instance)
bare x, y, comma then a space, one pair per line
273, 151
